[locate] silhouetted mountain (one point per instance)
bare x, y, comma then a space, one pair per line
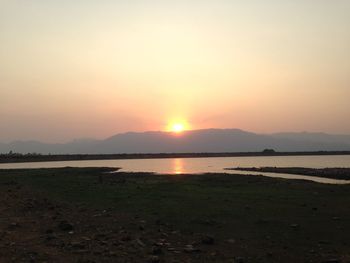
315, 137
209, 140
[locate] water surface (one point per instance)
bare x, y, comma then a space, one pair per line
207, 165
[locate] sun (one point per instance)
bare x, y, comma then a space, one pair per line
177, 126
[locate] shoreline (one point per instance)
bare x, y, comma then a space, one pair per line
330, 173
23, 158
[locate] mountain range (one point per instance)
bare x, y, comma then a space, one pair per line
206, 140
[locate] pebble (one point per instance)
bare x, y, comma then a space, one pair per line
65, 226
156, 250
231, 241
208, 240
139, 242
78, 245
191, 249
154, 259
239, 260
333, 260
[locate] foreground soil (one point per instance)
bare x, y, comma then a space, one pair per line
87, 215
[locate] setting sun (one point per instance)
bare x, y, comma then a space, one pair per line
177, 126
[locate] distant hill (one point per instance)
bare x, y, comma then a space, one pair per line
208, 140
315, 137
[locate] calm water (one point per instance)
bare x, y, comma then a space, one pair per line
204, 165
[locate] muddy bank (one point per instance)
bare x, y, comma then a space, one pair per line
334, 173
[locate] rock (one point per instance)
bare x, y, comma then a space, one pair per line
231, 241
103, 243
99, 236
86, 261
208, 240
65, 226
239, 260
112, 254
50, 237
154, 259
191, 249
78, 245
13, 226
81, 251
161, 243
156, 250
214, 254
98, 252
333, 260
324, 242
140, 243
125, 238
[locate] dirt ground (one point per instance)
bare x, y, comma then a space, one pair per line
250, 220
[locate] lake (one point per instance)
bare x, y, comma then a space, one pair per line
206, 165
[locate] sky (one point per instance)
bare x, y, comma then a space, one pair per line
91, 69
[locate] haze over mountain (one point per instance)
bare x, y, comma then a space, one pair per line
207, 140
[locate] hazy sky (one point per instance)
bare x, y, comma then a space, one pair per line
83, 68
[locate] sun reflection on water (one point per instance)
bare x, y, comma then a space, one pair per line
178, 166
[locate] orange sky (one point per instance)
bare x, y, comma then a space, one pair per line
72, 69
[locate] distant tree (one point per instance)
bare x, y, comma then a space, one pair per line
269, 151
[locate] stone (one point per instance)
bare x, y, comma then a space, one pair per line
156, 250
295, 226
154, 259
239, 260
333, 260
125, 237
13, 226
208, 240
140, 243
65, 226
78, 245
191, 249
231, 241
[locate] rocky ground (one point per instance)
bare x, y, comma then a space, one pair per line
35, 229
46, 221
